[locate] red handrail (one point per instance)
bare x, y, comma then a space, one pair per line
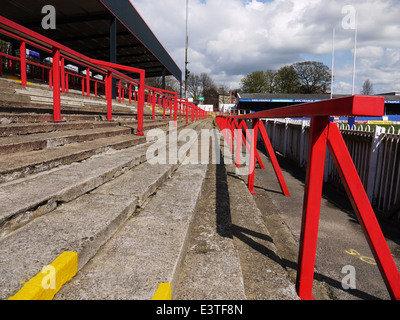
324, 134
58, 51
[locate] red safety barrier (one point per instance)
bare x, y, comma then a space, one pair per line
58, 77
323, 134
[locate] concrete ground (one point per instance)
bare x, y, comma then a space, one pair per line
341, 241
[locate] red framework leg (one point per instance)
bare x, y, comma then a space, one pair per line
311, 206
56, 85
253, 149
23, 62
241, 126
364, 211
274, 161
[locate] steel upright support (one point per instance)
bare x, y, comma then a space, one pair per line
63, 89
140, 105
364, 212
56, 85
253, 149
23, 62
108, 84
311, 206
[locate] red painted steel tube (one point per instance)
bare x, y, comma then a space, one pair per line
241, 126
367, 106
253, 148
311, 206
62, 74
56, 85
88, 82
274, 161
22, 54
364, 211
109, 95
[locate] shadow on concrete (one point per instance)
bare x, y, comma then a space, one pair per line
225, 228
336, 198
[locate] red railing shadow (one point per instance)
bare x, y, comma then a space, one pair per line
325, 134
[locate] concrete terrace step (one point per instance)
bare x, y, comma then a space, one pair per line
20, 164
53, 139
231, 254
84, 224
23, 199
147, 250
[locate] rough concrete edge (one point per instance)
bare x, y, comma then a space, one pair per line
48, 204
258, 212
89, 251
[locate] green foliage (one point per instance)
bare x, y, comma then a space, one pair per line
301, 77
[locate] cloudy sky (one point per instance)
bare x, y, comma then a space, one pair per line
229, 39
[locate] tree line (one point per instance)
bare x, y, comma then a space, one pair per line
302, 77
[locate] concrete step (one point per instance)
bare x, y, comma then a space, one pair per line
148, 249
231, 254
20, 164
24, 199
84, 224
23, 143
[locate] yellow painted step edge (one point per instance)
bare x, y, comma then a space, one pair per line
163, 292
49, 281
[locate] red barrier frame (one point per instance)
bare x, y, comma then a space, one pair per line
325, 134
25, 35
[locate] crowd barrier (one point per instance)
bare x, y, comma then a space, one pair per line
64, 67
323, 134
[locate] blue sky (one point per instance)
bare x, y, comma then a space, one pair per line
231, 38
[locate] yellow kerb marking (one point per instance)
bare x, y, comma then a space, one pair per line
163, 292
49, 281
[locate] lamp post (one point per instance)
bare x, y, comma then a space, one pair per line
186, 49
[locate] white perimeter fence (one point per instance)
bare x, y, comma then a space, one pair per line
375, 153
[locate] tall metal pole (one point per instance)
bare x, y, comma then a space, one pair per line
355, 54
186, 49
333, 60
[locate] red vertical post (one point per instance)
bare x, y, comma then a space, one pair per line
66, 82
108, 84
364, 212
56, 85
140, 105
88, 82
274, 161
187, 112
153, 102
95, 88
239, 137
119, 91
164, 106
51, 78
311, 206
62, 72
175, 110
253, 149
130, 93
22, 54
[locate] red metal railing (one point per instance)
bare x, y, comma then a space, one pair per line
59, 77
323, 134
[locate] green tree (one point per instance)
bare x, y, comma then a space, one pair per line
254, 82
313, 76
286, 80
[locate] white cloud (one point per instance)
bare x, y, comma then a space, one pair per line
231, 38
